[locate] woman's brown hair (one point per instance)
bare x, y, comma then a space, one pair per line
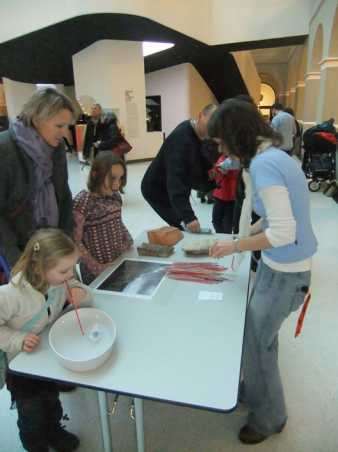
42, 252
101, 168
241, 127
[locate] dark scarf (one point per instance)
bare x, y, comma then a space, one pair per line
45, 208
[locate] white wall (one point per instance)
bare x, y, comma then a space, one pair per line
106, 70
248, 70
16, 94
200, 94
251, 20
210, 21
183, 93
172, 84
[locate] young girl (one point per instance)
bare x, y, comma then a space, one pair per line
38, 277
99, 231
225, 174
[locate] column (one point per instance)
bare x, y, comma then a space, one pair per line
300, 93
312, 87
328, 100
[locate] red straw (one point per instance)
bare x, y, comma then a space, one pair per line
72, 301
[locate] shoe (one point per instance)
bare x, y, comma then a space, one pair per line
63, 441
248, 435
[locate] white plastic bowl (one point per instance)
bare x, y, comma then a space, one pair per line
82, 353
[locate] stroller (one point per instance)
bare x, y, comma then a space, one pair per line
319, 161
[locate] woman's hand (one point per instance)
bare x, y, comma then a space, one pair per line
78, 294
222, 248
30, 341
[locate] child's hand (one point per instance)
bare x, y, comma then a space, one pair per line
78, 294
30, 341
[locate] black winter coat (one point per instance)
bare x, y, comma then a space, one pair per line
179, 167
16, 187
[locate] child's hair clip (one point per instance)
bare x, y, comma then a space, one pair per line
36, 247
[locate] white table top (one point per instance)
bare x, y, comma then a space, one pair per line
173, 347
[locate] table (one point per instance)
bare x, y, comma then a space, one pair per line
168, 348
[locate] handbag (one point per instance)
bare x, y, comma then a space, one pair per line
122, 148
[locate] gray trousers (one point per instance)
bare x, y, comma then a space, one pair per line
275, 295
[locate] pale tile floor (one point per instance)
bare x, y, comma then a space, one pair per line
308, 364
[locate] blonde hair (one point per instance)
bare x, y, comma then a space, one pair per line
44, 104
42, 252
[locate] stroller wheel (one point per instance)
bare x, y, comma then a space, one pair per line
314, 185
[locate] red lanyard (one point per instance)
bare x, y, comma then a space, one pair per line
301, 316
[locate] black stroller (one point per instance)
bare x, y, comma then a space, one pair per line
319, 161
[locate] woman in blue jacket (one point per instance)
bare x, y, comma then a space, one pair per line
279, 195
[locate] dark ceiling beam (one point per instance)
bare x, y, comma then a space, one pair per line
45, 56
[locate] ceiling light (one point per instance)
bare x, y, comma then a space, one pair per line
154, 47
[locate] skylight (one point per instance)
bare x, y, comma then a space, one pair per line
154, 47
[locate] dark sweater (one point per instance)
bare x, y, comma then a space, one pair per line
16, 186
178, 168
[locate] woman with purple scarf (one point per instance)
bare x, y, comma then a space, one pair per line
34, 189
34, 194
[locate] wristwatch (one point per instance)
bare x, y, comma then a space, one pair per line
236, 249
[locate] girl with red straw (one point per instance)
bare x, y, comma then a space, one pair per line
33, 299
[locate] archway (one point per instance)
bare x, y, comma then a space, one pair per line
267, 99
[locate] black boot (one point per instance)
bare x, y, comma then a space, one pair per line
63, 441
31, 423
57, 436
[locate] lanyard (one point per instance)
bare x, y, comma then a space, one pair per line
301, 316
51, 296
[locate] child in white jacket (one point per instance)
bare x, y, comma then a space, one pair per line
37, 290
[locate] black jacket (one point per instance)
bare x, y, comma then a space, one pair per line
16, 186
179, 167
105, 131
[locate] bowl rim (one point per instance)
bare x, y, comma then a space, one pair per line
76, 361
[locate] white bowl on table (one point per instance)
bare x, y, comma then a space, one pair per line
79, 352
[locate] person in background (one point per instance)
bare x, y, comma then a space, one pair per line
178, 168
297, 139
280, 196
34, 190
93, 132
113, 138
99, 230
210, 153
33, 299
285, 125
225, 173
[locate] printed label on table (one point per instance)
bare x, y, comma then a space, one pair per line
205, 295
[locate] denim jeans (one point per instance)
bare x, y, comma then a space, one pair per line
275, 295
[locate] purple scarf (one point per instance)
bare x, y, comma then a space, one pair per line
45, 208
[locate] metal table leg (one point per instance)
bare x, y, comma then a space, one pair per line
105, 427
139, 424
